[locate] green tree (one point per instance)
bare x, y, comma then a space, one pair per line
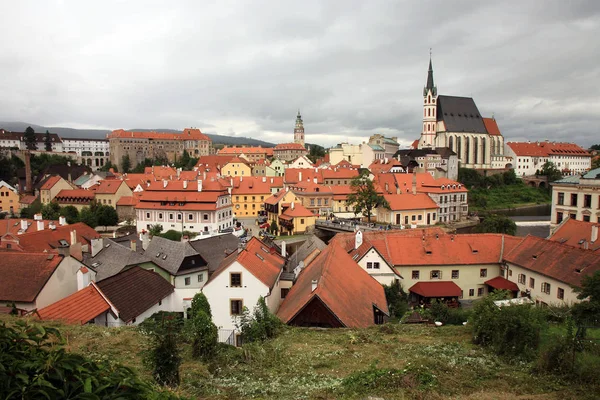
495, 223
125, 164
595, 147
596, 162
47, 141
364, 197
88, 217
172, 235
51, 211
273, 228
200, 304
587, 312
106, 167
509, 177
155, 230
204, 335
30, 140
260, 325
106, 215
469, 177
396, 298
71, 213
550, 170
315, 152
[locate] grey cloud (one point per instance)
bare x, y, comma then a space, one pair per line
352, 67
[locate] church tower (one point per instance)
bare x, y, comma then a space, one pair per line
429, 111
299, 130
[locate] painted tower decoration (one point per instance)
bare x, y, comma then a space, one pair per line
429, 108
299, 130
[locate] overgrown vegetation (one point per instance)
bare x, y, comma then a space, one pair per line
364, 198
500, 191
495, 223
33, 365
259, 325
396, 298
201, 329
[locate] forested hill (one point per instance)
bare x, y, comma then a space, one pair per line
101, 133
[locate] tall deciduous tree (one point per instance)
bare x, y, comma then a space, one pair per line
125, 164
364, 197
550, 170
47, 141
30, 142
495, 223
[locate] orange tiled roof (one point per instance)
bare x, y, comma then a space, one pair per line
276, 198
491, 126
436, 289
24, 274
294, 175
298, 211
342, 285
258, 259
244, 150
108, 186
545, 149
187, 134
28, 199
13, 225
127, 201
501, 283
340, 173
415, 144
425, 184
409, 201
290, 146
576, 234
48, 239
255, 184
78, 308
555, 260
50, 182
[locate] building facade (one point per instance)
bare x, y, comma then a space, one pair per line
529, 158
289, 151
9, 198
169, 146
94, 153
576, 198
390, 145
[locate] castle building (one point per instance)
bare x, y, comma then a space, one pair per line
299, 130
456, 123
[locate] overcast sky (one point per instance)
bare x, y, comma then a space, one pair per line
353, 68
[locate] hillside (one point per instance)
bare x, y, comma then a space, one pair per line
101, 133
389, 361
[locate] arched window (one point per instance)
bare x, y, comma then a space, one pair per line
429, 99
493, 146
459, 147
475, 150
424, 112
451, 143
467, 150
483, 151
429, 112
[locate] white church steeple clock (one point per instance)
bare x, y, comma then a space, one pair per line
429, 111
299, 130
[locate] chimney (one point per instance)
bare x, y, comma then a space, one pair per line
271, 180
358, 239
300, 176
315, 180
165, 182
23, 224
283, 253
241, 179
594, 236
231, 182
52, 225
292, 205
314, 284
62, 221
204, 175
97, 245
387, 188
40, 225
199, 185
414, 183
178, 172
83, 278
145, 240
185, 184
133, 245
37, 217
73, 237
264, 179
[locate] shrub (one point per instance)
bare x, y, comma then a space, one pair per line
32, 366
200, 303
439, 311
557, 357
204, 335
456, 316
164, 359
260, 325
396, 298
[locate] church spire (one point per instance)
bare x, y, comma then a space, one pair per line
430, 85
299, 130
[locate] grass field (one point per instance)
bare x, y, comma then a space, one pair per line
389, 361
509, 196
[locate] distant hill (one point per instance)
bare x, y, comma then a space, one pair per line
101, 133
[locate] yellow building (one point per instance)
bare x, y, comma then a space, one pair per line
248, 195
52, 187
109, 192
236, 167
295, 219
9, 198
275, 205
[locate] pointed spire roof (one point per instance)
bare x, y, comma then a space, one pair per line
430, 85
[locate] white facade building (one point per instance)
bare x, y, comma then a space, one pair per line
530, 157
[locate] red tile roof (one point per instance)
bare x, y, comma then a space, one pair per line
78, 308
555, 260
415, 144
276, 198
342, 285
501, 283
187, 134
258, 258
380, 166
127, 201
13, 225
298, 211
208, 185
108, 186
48, 239
28, 199
24, 274
50, 182
290, 146
436, 289
545, 149
341, 173
255, 184
419, 201
77, 194
134, 291
244, 150
577, 234
425, 183
295, 175
491, 126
